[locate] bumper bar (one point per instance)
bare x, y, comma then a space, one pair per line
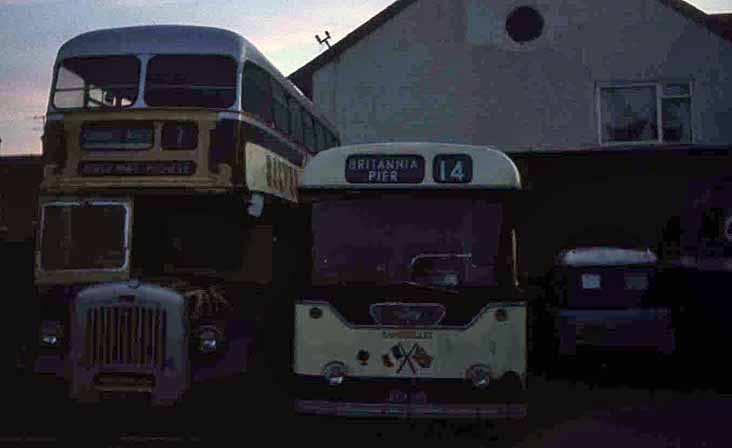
346, 409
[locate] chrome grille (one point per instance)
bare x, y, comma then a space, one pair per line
126, 336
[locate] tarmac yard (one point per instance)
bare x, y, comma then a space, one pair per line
595, 409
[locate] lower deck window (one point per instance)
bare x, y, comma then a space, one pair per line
84, 236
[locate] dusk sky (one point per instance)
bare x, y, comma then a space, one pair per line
31, 31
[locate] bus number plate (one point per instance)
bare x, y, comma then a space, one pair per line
398, 396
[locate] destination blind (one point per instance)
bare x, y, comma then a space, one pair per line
138, 168
385, 169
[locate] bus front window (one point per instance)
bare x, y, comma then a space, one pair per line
171, 239
191, 81
449, 242
84, 236
94, 82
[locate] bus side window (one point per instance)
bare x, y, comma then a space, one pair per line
280, 109
307, 121
257, 95
319, 137
329, 139
295, 120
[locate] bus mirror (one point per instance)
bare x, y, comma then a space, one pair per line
256, 205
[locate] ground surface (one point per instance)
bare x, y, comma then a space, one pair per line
600, 408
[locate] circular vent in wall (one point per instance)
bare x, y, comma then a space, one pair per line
524, 24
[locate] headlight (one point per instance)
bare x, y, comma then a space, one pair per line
50, 334
478, 375
334, 373
209, 338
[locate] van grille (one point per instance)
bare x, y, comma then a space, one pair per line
126, 336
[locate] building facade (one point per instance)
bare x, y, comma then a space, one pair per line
530, 74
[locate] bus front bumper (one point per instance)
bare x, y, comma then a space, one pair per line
439, 411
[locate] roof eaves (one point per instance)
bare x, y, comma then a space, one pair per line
697, 15
722, 23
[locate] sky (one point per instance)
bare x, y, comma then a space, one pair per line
31, 31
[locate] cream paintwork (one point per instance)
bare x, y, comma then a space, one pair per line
491, 167
500, 345
68, 180
256, 172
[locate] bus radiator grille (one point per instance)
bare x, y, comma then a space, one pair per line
131, 336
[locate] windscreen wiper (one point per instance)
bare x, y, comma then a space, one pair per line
429, 287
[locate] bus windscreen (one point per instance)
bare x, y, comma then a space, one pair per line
435, 241
76, 237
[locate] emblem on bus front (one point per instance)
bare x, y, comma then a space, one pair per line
414, 358
407, 314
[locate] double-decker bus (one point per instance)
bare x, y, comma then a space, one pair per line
412, 305
604, 303
172, 160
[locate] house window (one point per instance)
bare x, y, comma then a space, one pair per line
676, 113
645, 113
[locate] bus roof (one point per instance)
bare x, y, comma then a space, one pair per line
491, 169
178, 39
607, 256
161, 39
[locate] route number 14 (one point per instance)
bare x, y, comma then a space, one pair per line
453, 168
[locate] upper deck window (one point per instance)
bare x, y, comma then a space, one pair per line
191, 81
319, 137
108, 81
257, 92
308, 131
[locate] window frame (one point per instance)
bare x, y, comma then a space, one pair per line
660, 96
305, 117
141, 68
72, 202
276, 85
319, 131
267, 120
149, 61
298, 138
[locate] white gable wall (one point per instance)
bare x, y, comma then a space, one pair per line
446, 71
